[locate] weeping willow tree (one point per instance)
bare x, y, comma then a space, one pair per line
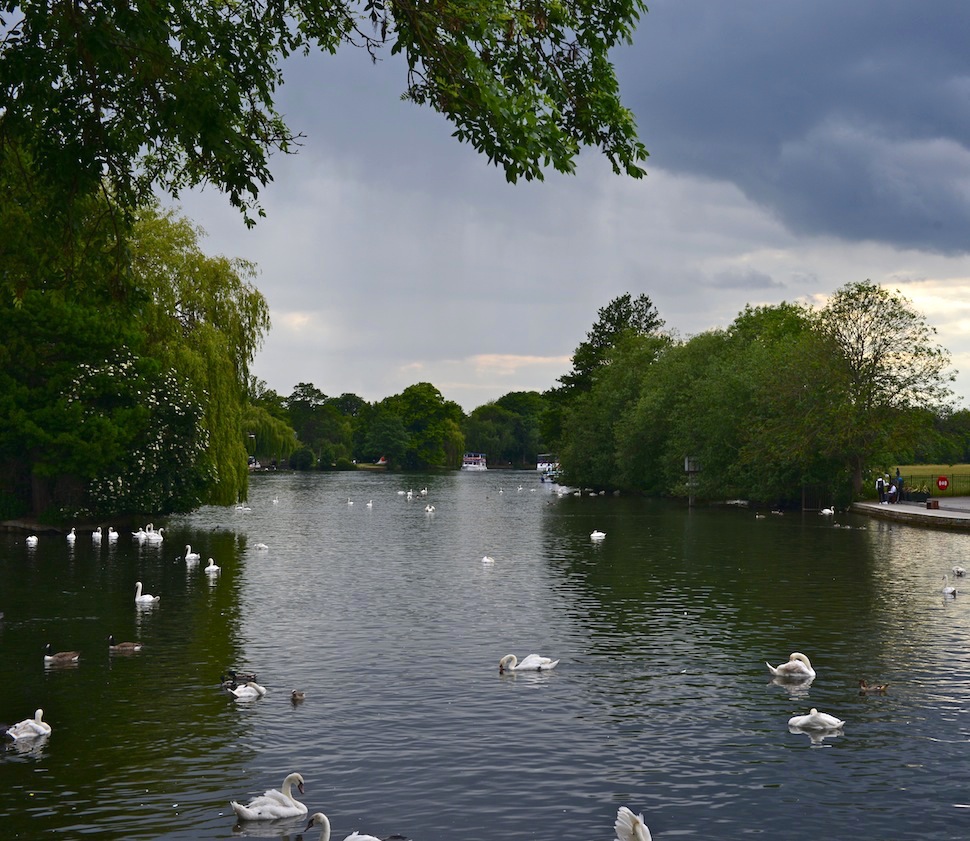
122, 395
205, 321
272, 437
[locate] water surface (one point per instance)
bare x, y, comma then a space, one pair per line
390, 621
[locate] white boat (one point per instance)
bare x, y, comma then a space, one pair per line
546, 462
547, 466
473, 461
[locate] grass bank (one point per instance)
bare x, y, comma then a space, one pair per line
920, 476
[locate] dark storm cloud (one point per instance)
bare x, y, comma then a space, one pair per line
845, 119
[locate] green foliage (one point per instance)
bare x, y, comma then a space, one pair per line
325, 424
385, 436
590, 451
432, 426
130, 403
171, 94
273, 439
508, 429
302, 459
786, 398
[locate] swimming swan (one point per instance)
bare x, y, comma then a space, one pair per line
321, 820
191, 556
798, 667
815, 721
72, 536
274, 804
59, 658
248, 691
29, 728
948, 589
147, 598
630, 827
31, 540
212, 569
597, 535
532, 663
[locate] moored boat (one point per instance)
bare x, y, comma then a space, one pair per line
473, 461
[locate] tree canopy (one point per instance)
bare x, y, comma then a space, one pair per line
173, 94
130, 404
787, 398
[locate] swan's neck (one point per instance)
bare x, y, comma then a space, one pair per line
324, 823
138, 590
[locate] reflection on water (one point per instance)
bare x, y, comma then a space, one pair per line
392, 622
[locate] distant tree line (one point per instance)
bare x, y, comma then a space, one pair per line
414, 430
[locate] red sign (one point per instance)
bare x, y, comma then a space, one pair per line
942, 483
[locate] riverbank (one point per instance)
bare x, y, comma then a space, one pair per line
953, 513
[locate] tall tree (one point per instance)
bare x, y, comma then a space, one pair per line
206, 321
433, 426
888, 366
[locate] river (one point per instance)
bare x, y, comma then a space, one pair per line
392, 624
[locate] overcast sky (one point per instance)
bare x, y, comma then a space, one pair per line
795, 147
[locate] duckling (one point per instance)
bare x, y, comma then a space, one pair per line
297, 696
959, 572
122, 647
866, 687
59, 658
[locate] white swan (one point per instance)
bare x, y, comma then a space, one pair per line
52, 658
532, 663
31, 540
212, 569
191, 556
29, 728
72, 536
249, 691
948, 589
370, 503
274, 804
828, 512
815, 721
630, 827
429, 509
597, 535
487, 559
112, 534
321, 820
96, 535
155, 536
798, 667
262, 547
145, 598
140, 535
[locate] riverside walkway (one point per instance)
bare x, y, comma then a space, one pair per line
953, 513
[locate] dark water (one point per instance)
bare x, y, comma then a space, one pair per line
393, 626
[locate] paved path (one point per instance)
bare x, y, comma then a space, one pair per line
953, 513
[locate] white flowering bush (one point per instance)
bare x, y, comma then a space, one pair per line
143, 429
